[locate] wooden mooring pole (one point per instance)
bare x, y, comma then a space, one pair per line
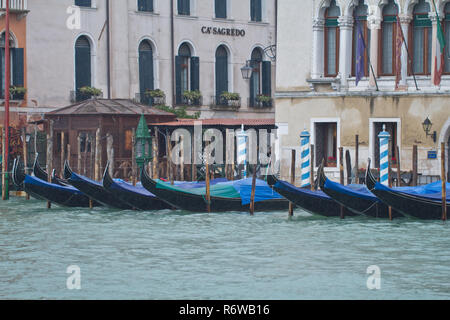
356, 159
414, 166
291, 205
311, 166
252, 195
4, 187
444, 179
63, 150
389, 173
25, 155
49, 156
341, 175
133, 156
397, 157
208, 194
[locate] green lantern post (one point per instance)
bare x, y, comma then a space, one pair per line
143, 145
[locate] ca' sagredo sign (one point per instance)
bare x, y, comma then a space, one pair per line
223, 31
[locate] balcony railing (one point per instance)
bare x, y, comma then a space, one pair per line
150, 101
255, 103
183, 101
219, 102
77, 96
15, 5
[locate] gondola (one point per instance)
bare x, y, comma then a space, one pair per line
93, 189
223, 197
43, 175
66, 196
355, 197
136, 196
423, 202
314, 202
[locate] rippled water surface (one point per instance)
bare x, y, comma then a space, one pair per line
179, 255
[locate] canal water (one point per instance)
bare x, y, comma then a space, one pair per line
179, 255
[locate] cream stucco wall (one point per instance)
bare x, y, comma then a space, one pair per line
51, 48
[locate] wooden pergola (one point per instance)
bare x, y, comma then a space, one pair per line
94, 131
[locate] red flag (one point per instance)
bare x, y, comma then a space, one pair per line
398, 53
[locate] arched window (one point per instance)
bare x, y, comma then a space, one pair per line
187, 72
16, 59
260, 82
82, 65
361, 35
447, 37
332, 40
421, 38
388, 34
146, 79
221, 71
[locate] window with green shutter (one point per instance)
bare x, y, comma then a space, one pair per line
184, 7
83, 3
82, 64
255, 10
16, 58
146, 79
221, 71
221, 9
195, 73
145, 5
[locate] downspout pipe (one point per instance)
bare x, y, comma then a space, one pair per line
108, 48
172, 49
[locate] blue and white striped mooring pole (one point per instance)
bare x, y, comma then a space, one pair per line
305, 158
242, 151
384, 156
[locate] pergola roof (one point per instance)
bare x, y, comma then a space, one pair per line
108, 107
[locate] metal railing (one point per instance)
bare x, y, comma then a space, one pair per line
221, 102
77, 96
183, 101
255, 103
18, 5
149, 101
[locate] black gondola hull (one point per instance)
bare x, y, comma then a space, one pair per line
197, 203
138, 201
94, 190
409, 205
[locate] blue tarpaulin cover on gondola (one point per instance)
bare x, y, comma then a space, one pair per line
262, 190
355, 190
39, 182
121, 184
431, 191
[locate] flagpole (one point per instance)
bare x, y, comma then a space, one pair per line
368, 56
407, 52
5, 189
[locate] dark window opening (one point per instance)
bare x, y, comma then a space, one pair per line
326, 143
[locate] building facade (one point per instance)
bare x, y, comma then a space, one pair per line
322, 87
127, 48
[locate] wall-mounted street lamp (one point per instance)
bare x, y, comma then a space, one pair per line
427, 124
27, 137
247, 71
